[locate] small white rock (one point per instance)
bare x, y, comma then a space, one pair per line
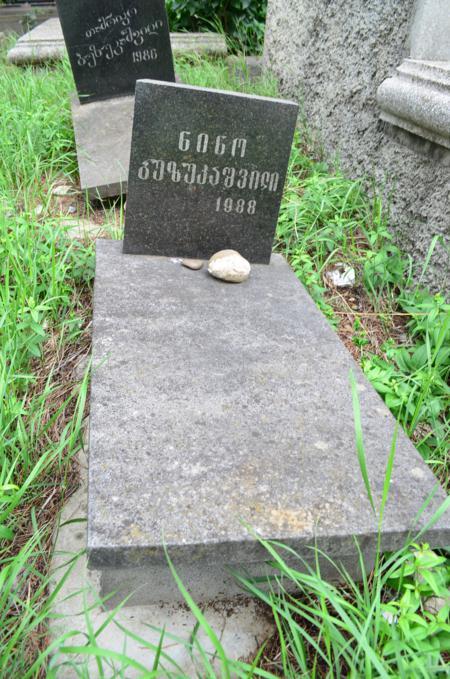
230, 266
434, 604
80, 368
64, 190
71, 210
194, 264
82, 229
390, 617
342, 276
38, 210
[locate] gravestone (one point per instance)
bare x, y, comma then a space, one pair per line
207, 171
111, 44
334, 56
214, 406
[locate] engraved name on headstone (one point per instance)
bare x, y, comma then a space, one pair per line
207, 171
112, 44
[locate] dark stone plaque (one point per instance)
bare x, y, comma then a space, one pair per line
112, 43
207, 171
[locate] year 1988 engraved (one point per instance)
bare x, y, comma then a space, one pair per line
239, 206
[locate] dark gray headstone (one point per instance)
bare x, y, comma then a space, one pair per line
112, 43
207, 171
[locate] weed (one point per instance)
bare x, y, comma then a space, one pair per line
328, 219
216, 74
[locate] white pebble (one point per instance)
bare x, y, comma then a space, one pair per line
230, 266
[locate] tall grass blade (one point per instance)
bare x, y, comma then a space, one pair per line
359, 440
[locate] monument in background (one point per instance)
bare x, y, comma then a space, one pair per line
110, 46
374, 82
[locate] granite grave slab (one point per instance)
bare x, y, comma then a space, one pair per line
207, 171
112, 44
217, 406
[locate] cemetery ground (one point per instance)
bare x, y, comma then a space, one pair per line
395, 623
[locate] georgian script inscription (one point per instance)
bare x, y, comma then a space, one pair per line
207, 170
93, 54
113, 43
232, 175
106, 22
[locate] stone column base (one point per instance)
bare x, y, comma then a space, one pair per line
417, 99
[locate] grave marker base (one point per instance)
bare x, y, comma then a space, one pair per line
240, 623
215, 407
103, 139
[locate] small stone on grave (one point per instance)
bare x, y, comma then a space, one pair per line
230, 266
194, 264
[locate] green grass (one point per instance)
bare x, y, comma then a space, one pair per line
216, 74
326, 218
36, 133
44, 313
42, 316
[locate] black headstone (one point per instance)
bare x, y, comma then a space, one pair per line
207, 171
112, 43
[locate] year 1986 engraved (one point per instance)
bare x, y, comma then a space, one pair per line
145, 55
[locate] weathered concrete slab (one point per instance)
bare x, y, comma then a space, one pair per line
198, 43
40, 45
241, 624
216, 405
103, 140
46, 43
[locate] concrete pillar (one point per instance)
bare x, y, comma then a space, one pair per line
333, 56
